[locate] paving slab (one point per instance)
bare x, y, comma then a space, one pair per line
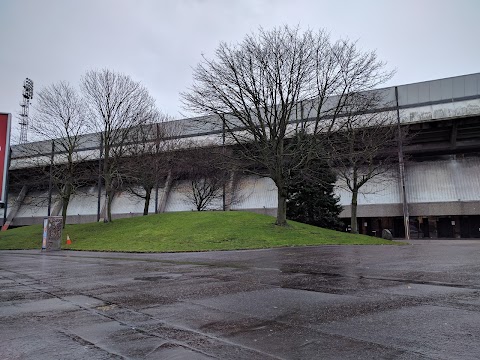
420, 301
422, 328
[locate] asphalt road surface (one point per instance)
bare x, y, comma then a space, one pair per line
331, 302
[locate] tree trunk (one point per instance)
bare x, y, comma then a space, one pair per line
282, 191
109, 205
108, 184
67, 193
282, 208
147, 201
64, 211
156, 196
354, 212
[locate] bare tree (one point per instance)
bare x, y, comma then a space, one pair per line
148, 160
118, 105
206, 171
60, 119
278, 85
365, 150
205, 190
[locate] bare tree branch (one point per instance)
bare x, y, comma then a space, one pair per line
60, 118
207, 173
278, 85
148, 159
117, 105
365, 150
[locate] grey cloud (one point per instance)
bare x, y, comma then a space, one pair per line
158, 42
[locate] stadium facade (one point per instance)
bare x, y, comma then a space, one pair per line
442, 171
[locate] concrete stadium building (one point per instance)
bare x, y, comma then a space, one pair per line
442, 172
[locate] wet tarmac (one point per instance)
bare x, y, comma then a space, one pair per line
332, 302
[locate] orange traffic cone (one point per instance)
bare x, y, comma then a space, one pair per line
69, 242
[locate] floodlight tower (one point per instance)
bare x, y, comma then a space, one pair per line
27, 96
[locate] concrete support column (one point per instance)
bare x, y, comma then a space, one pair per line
230, 191
163, 197
103, 211
57, 208
15, 207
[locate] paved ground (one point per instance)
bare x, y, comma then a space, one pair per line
354, 302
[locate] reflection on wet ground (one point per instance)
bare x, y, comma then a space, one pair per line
333, 302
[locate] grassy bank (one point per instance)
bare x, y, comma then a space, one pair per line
186, 231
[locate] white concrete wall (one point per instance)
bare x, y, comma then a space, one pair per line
426, 182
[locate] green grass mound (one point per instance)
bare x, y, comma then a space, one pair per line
186, 231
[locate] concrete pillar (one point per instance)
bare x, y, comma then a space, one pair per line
163, 197
15, 207
230, 191
103, 211
57, 208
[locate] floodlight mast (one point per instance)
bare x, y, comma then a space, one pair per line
27, 96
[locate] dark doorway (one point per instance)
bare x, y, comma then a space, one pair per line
445, 227
379, 228
398, 227
425, 228
415, 232
470, 226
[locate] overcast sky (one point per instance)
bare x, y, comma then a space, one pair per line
158, 42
